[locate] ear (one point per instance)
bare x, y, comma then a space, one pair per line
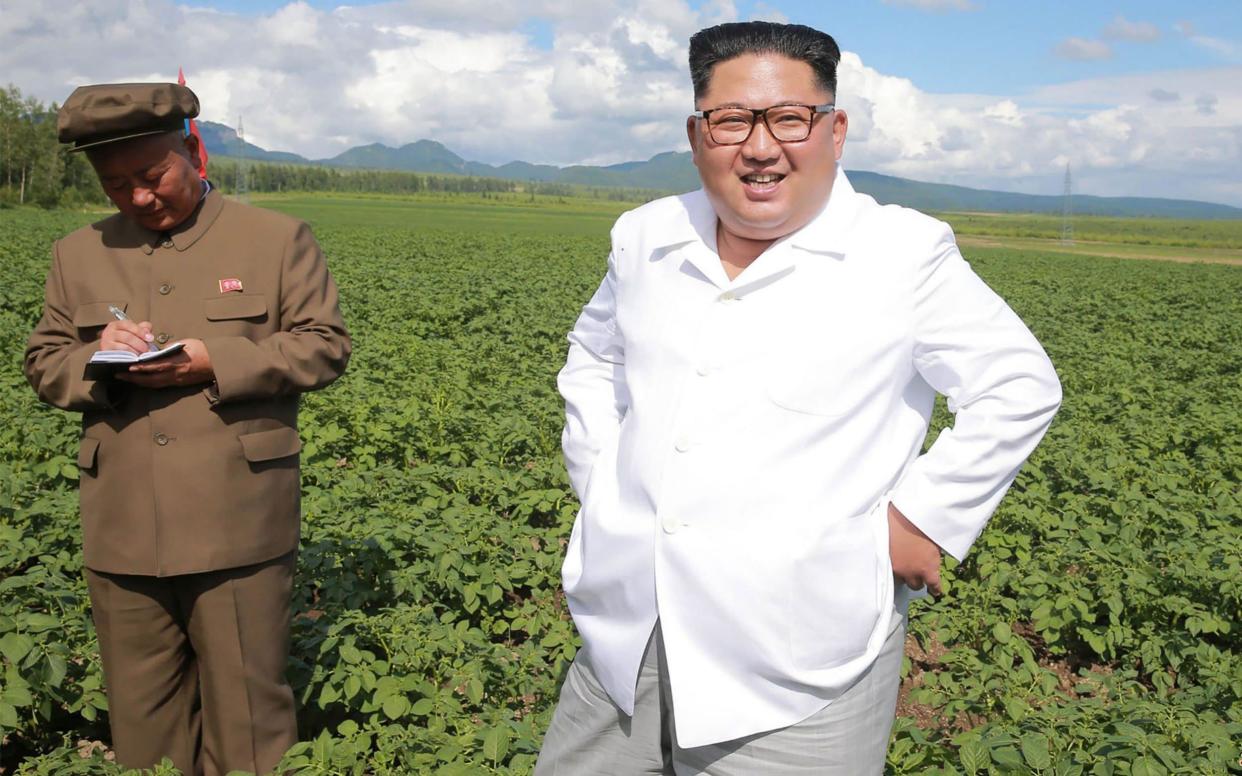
191, 146
692, 134
840, 125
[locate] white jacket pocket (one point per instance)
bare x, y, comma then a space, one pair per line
842, 586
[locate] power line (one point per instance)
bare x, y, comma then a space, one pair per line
241, 185
1067, 210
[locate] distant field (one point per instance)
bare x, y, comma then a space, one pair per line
498, 213
1093, 629
1181, 240
1214, 241
1175, 232
971, 242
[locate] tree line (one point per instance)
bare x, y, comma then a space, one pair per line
270, 177
37, 169
274, 177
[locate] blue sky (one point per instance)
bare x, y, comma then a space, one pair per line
1142, 98
1008, 47
996, 47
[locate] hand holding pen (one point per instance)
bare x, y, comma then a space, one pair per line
124, 334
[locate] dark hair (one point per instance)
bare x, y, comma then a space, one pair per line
727, 41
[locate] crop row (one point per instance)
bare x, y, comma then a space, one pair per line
1094, 628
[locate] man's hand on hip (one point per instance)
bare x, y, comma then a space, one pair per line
916, 559
190, 366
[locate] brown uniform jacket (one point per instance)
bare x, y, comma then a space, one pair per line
184, 480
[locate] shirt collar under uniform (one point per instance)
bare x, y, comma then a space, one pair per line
188, 232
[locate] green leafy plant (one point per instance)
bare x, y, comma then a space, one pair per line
1094, 628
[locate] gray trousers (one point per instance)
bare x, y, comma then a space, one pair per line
589, 735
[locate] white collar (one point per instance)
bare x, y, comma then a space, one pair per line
695, 221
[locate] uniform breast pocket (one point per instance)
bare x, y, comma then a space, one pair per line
90, 318
826, 384
236, 314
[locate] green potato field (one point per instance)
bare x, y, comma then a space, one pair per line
1096, 627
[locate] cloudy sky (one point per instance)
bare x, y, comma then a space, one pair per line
1143, 98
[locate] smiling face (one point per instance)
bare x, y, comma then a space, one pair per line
150, 179
763, 190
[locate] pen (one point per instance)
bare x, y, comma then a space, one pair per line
120, 315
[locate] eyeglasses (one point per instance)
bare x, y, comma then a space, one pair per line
787, 123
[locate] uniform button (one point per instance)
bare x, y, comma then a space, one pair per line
165, 289
682, 444
167, 243
728, 296
161, 338
670, 525
161, 440
702, 371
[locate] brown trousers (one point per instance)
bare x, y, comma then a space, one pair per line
195, 666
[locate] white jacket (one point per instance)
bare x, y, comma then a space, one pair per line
735, 444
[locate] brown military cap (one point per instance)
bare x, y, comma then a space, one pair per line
105, 113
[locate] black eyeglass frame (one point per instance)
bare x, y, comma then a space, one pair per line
762, 113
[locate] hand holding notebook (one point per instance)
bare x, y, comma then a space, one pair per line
106, 363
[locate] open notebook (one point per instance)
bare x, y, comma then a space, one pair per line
105, 363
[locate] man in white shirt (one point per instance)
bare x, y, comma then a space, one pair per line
746, 396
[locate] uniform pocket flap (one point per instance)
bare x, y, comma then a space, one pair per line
227, 308
86, 452
95, 314
268, 445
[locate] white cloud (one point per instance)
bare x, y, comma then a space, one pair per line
462, 72
318, 82
296, 24
1118, 143
1005, 111
1138, 32
1227, 50
1083, 49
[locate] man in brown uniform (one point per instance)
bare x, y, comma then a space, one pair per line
189, 464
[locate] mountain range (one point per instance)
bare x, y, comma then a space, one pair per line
674, 172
